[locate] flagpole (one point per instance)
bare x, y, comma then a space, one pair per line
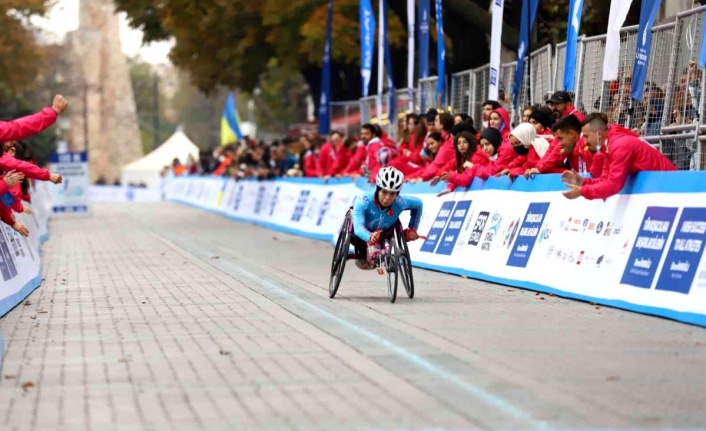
381, 60
410, 53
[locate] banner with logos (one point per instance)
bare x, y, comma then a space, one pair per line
641, 250
20, 262
72, 195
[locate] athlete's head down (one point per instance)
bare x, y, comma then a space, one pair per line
389, 183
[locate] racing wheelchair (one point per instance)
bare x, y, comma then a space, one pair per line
394, 258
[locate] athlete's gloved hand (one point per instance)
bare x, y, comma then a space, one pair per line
410, 235
374, 237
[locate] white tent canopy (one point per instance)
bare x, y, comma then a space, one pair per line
147, 169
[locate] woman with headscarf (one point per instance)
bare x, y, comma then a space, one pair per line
527, 146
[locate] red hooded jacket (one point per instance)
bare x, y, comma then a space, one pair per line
310, 166
8, 163
445, 155
356, 161
327, 159
627, 154
27, 126
505, 128
465, 178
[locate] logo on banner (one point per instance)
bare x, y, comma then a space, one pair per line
437, 228
448, 238
324, 208
493, 76
275, 198
685, 252
7, 263
478, 228
301, 205
238, 197
492, 231
259, 198
531, 226
649, 247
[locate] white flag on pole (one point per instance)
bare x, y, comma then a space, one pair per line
618, 12
495, 45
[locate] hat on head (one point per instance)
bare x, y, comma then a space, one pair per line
493, 136
543, 117
560, 97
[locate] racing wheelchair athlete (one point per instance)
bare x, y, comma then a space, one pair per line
372, 226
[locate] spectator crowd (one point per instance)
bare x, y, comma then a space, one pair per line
17, 162
592, 153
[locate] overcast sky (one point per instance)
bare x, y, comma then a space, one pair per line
63, 18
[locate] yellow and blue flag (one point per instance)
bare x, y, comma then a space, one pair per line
230, 123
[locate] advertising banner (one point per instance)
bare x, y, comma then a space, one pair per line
640, 250
72, 195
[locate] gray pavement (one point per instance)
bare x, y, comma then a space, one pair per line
159, 316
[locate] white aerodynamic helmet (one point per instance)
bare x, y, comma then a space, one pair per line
390, 178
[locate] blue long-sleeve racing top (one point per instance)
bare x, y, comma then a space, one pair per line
369, 217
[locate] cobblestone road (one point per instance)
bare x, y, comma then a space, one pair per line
159, 316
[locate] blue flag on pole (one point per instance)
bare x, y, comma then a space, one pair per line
648, 14
702, 57
423, 38
572, 41
440, 54
529, 11
367, 43
392, 107
325, 99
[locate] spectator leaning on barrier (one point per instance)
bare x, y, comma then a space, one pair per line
368, 133
490, 142
444, 155
32, 124
328, 154
576, 154
469, 159
626, 154
562, 104
553, 161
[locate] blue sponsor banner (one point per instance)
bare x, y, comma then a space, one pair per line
273, 203
649, 246
440, 54
367, 43
324, 208
423, 39
529, 11
238, 197
531, 226
685, 252
437, 228
259, 197
7, 262
325, 96
648, 13
301, 205
572, 40
453, 228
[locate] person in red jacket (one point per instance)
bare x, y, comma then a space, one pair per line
528, 147
553, 161
500, 119
7, 182
20, 191
469, 158
309, 158
576, 154
409, 151
626, 154
328, 155
368, 134
444, 156
32, 124
562, 105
